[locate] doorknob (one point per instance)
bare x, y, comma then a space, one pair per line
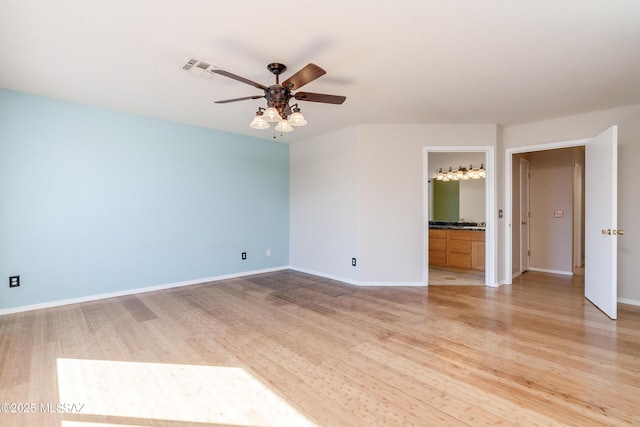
524, 222
619, 232
607, 231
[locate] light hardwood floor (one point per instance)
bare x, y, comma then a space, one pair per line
287, 348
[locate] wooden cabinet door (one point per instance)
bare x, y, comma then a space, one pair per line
437, 244
438, 247
459, 246
438, 258
477, 256
456, 260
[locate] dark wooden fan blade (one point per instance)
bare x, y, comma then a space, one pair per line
225, 101
304, 76
320, 97
240, 79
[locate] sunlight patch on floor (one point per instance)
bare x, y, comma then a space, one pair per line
186, 393
441, 276
90, 424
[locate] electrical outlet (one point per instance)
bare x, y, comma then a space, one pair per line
14, 281
244, 255
353, 262
268, 252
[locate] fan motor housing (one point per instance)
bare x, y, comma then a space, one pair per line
277, 95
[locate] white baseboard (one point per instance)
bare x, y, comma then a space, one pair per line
498, 284
326, 276
544, 270
629, 301
354, 282
87, 298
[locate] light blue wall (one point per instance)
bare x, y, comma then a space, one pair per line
96, 201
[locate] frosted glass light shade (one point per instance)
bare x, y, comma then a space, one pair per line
471, 174
449, 174
297, 119
271, 115
482, 173
259, 122
284, 126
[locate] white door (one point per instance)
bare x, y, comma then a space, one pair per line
601, 216
524, 215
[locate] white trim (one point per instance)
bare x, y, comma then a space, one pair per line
326, 276
88, 298
491, 266
508, 193
549, 146
546, 270
629, 301
355, 282
524, 259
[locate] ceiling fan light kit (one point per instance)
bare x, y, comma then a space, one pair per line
278, 96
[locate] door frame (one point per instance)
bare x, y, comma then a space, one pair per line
524, 192
508, 196
491, 265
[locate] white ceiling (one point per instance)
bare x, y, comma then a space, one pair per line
403, 61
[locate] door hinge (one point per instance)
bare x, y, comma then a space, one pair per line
528, 253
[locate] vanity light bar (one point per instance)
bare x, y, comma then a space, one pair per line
462, 173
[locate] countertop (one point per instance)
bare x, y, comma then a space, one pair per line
445, 225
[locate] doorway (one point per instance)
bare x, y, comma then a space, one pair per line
600, 209
431, 164
544, 209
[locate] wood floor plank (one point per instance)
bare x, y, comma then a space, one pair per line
532, 353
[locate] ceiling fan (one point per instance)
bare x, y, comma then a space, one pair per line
278, 96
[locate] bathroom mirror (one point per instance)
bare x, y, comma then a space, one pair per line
462, 200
